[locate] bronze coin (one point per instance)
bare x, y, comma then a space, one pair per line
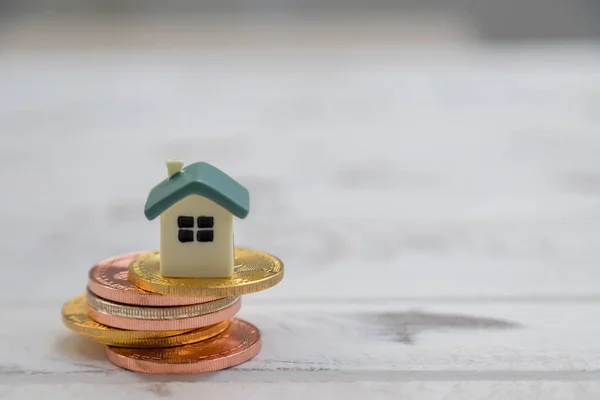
109, 279
236, 345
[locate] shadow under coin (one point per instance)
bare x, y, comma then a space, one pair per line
79, 349
159, 379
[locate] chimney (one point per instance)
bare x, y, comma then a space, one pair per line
173, 167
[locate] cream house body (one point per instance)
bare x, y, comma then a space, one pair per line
197, 205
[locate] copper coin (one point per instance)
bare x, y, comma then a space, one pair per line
138, 324
238, 344
108, 279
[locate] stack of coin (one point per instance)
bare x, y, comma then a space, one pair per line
154, 324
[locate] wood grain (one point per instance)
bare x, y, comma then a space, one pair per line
437, 214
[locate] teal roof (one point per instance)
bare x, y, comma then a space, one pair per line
202, 179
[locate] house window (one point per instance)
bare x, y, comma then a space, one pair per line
205, 232
186, 235
185, 222
206, 222
206, 235
205, 229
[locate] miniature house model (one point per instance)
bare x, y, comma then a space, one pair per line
196, 205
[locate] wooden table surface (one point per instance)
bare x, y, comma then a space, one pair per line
437, 212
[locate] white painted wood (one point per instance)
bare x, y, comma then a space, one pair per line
437, 214
450, 176
520, 390
394, 346
379, 340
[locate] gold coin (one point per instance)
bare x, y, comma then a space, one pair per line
75, 318
254, 271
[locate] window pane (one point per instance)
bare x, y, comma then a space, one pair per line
205, 236
206, 222
185, 222
186, 235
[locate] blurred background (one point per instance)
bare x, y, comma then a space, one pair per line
448, 145
483, 19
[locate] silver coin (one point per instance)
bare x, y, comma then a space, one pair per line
158, 313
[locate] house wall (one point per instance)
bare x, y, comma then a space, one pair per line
196, 259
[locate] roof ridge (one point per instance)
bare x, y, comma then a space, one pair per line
200, 178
